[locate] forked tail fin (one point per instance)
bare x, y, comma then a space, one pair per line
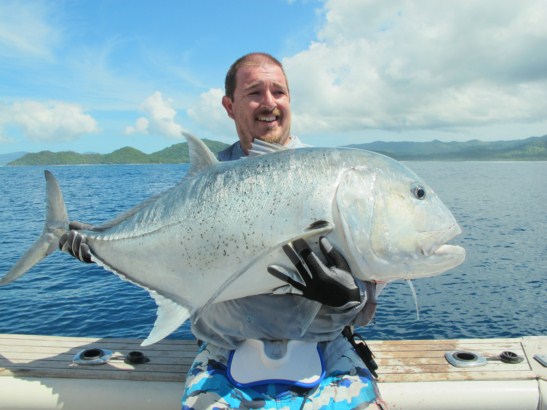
55, 226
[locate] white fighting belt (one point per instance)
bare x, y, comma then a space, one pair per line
300, 365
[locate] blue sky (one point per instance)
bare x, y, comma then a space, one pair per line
100, 75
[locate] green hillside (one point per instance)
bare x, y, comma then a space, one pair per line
175, 154
57, 158
529, 149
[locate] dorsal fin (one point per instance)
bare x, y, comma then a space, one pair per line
260, 147
201, 156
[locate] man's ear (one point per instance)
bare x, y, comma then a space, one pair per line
227, 104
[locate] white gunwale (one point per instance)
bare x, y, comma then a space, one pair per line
408, 366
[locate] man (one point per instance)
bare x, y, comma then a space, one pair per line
259, 104
257, 98
242, 333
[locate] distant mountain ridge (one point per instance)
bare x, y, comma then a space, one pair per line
175, 154
529, 149
12, 156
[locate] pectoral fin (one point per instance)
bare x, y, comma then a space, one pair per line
316, 228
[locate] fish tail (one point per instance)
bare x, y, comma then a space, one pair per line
55, 226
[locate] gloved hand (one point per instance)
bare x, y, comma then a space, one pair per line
74, 243
332, 285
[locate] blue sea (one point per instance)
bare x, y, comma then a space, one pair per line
499, 291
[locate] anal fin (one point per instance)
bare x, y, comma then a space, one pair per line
170, 317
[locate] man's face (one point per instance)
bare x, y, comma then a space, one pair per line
261, 104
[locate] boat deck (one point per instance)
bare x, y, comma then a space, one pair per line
405, 362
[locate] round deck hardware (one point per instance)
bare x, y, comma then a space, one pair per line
136, 357
465, 359
510, 357
92, 356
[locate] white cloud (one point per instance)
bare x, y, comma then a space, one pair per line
26, 30
407, 65
47, 121
210, 114
159, 118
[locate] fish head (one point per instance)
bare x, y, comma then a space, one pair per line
393, 225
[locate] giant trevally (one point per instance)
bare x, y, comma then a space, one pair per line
211, 237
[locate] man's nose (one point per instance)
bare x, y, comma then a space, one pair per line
268, 100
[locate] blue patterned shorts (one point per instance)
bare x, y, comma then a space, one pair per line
347, 385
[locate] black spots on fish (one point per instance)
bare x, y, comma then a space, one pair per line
317, 225
418, 191
246, 239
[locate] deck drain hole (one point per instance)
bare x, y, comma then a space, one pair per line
92, 356
465, 359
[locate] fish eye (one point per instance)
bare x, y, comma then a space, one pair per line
418, 191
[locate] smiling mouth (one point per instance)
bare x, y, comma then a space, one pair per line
275, 115
263, 118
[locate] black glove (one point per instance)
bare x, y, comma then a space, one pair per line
332, 285
74, 242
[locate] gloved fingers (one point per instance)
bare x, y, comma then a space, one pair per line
76, 240
334, 276
315, 265
290, 277
311, 260
291, 254
333, 256
311, 263
74, 243
66, 243
85, 253
301, 246
63, 245
80, 249
296, 260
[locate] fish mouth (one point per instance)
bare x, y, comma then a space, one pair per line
435, 243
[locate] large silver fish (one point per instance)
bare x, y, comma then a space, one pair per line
211, 237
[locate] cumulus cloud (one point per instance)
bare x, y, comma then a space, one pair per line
404, 65
47, 121
159, 118
209, 112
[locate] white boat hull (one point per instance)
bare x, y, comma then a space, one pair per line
36, 372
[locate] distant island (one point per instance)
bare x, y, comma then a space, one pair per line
175, 154
529, 149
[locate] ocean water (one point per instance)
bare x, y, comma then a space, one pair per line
499, 291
